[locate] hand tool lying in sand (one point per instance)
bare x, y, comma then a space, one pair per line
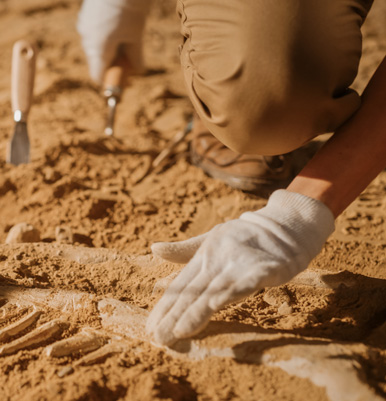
165, 153
113, 83
23, 76
178, 138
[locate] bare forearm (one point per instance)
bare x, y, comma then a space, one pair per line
354, 155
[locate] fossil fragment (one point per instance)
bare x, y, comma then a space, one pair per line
65, 371
276, 296
330, 366
285, 309
6, 317
19, 326
101, 354
23, 232
322, 279
121, 318
116, 316
35, 337
94, 357
85, 341
66, 301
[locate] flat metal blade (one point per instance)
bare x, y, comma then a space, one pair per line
112, 102
18, 151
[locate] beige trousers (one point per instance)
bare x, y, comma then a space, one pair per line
266, 76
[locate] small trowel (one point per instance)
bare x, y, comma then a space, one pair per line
113, 83
22, 82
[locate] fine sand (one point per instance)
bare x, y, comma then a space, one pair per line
321, 337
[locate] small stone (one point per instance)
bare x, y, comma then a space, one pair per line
63, 235
285, 309
22, 232
276, 296
65, 371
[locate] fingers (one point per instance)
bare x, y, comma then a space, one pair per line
167, 301
176, 301
224, 292
194, 319
191, 310
186, 311
218, 294
178, 252
164, 332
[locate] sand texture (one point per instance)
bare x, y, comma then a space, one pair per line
76, 292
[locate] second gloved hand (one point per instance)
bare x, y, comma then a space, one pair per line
106, 24
237, 258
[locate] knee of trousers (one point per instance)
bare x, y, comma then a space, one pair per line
270, 117
266, 77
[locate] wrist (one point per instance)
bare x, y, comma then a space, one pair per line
303, 221
319, 190
310, 221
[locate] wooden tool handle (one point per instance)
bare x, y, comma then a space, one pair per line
23, 75
117, 74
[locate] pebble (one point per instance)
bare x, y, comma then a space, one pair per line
63, 235
22, 232
65, 371
285, 309
276, 296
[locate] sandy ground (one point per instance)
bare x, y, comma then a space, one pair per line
322, 337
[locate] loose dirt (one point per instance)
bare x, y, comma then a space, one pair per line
320, 337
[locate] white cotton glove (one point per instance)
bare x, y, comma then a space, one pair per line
106, 24
235, 259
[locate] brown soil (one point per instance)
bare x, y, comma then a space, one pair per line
94, 185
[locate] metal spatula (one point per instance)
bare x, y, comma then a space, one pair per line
23, 76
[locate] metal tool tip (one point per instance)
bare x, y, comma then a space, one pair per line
109, 131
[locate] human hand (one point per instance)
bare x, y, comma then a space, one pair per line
106, 24
237, 258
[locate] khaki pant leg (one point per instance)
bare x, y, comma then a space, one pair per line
267, 76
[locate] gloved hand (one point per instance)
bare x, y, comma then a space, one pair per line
106, 24
237, 258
